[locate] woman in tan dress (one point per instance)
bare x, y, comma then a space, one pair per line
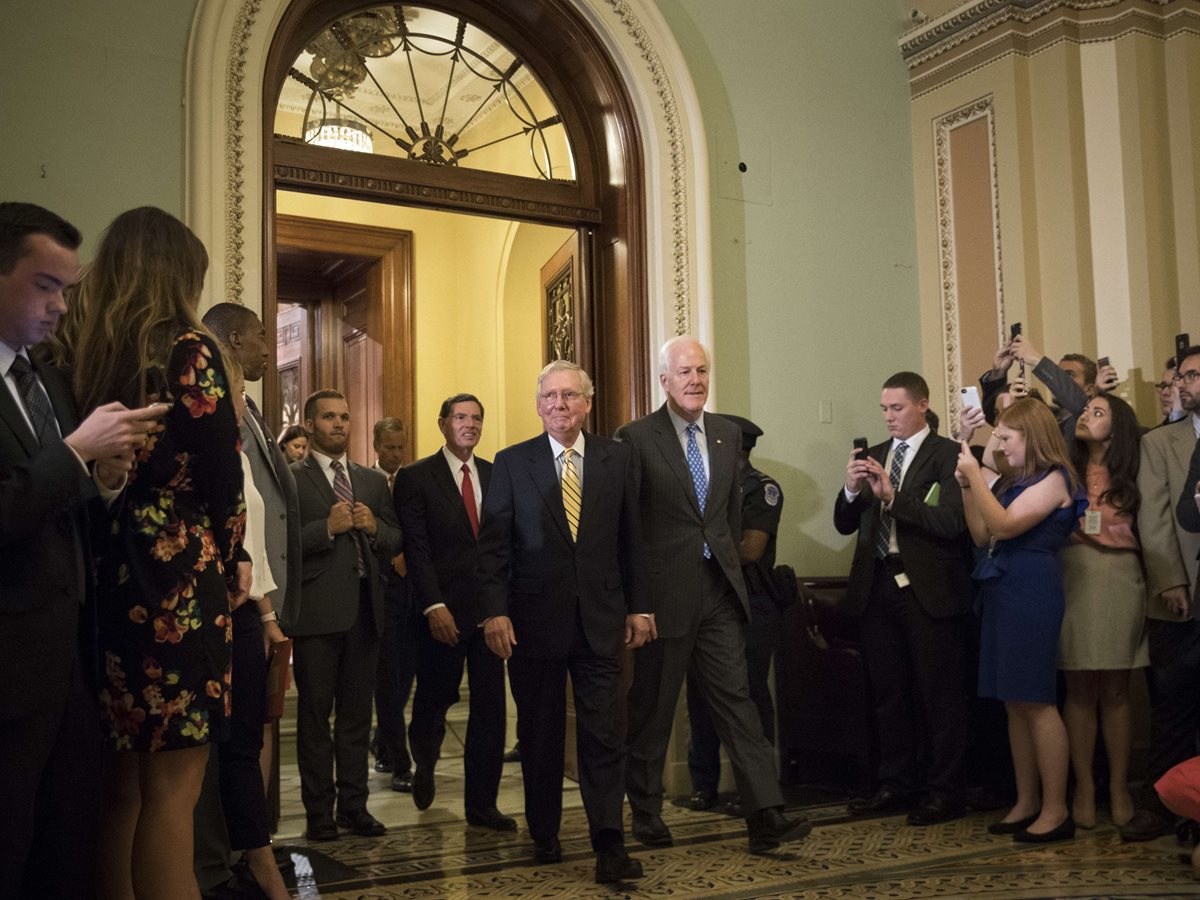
1103, 636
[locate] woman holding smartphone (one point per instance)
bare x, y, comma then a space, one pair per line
1024, 524
169, 565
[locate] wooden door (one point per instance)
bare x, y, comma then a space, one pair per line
292, 362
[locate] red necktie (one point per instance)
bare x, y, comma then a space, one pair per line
468, 491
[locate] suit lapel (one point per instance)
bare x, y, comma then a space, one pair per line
667, 442
16, 422
324, 488
444, 479
924, 452
595, 470
1183, 443
60, 400
543, 471
718, 464
263, 440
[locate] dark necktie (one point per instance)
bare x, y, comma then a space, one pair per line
343, 491
699, 478
468, 495
37, 404
883, 539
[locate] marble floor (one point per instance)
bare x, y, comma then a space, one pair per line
435, 854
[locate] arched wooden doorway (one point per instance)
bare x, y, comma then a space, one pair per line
605, 204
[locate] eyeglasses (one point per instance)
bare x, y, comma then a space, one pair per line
567, 396
1186, 377
1163, 385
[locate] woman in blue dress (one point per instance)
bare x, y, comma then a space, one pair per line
1024, 524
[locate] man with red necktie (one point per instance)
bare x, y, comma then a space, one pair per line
440, 500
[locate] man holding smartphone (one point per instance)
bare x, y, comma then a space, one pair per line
911, 586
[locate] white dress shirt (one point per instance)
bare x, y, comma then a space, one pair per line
680, 424
557, 450
914, 444
456, 465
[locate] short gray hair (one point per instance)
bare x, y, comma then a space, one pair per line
664, 352
564, 365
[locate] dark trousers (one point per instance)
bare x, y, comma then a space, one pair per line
242, 795
1174, 682
539, 687
704, 746
915, 666
714, 655
394, 675
335, 668
50, 770
439, 675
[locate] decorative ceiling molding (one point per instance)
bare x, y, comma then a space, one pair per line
980, 32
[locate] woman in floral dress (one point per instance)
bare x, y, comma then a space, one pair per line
168, 565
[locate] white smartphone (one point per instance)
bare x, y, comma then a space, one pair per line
970, 397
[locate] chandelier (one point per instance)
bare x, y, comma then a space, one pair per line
340, 134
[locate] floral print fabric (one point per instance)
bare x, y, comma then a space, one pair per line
168, 564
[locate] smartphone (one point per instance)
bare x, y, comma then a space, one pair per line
1102, 362
970, 397
860, 446
1014, 330
1182, 344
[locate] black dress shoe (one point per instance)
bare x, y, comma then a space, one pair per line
422, 788
1146, 825
936, 809
361, 822
614, 864
403, 783
702, 800
321, 829
651, 830
382, 765
883, 800
513, 755
768, 828
547, 851
1063, 832
1012, 827
490, 817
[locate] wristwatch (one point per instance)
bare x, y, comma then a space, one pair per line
272, 616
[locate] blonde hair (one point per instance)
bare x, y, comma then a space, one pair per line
142, 290
1045, 448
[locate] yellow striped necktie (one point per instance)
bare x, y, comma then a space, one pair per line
571, 491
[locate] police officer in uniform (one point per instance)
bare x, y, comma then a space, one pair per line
762, 503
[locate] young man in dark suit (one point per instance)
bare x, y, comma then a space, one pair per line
49, 726
439, 500
690, 501
349, 535
911, 586
557, 595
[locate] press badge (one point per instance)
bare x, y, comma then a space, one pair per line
1091, 522
902, 580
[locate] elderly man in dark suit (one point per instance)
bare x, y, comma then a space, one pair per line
911, 586
690, 502
349, 535
49, 729
439, 500
557, 595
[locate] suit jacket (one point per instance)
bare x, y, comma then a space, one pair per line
1186, 511
931, 537
42, 554
529, 568
1168, 549
274, 481
674, 529
439, 546
328, 599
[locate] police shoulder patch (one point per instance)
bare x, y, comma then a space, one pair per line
771, 493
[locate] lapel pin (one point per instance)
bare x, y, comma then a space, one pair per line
718, 440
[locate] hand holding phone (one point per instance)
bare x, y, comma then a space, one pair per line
969, 396
860, 447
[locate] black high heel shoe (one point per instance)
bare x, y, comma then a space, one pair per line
1063, 832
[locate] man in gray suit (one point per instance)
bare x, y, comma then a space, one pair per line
690, 499
1173, 619
349, 535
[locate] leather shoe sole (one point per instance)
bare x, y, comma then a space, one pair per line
423, 789
652, 831
617, 866
1012, 827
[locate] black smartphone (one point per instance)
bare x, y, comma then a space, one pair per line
1014, 330
1182, 344
1102, 362
860, 446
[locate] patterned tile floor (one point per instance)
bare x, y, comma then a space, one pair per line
433, 854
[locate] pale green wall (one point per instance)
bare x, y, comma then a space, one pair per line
814, 273
93, 90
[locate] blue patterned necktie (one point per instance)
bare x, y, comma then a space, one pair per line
343, 491
37, 404
699, 479
883, 539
